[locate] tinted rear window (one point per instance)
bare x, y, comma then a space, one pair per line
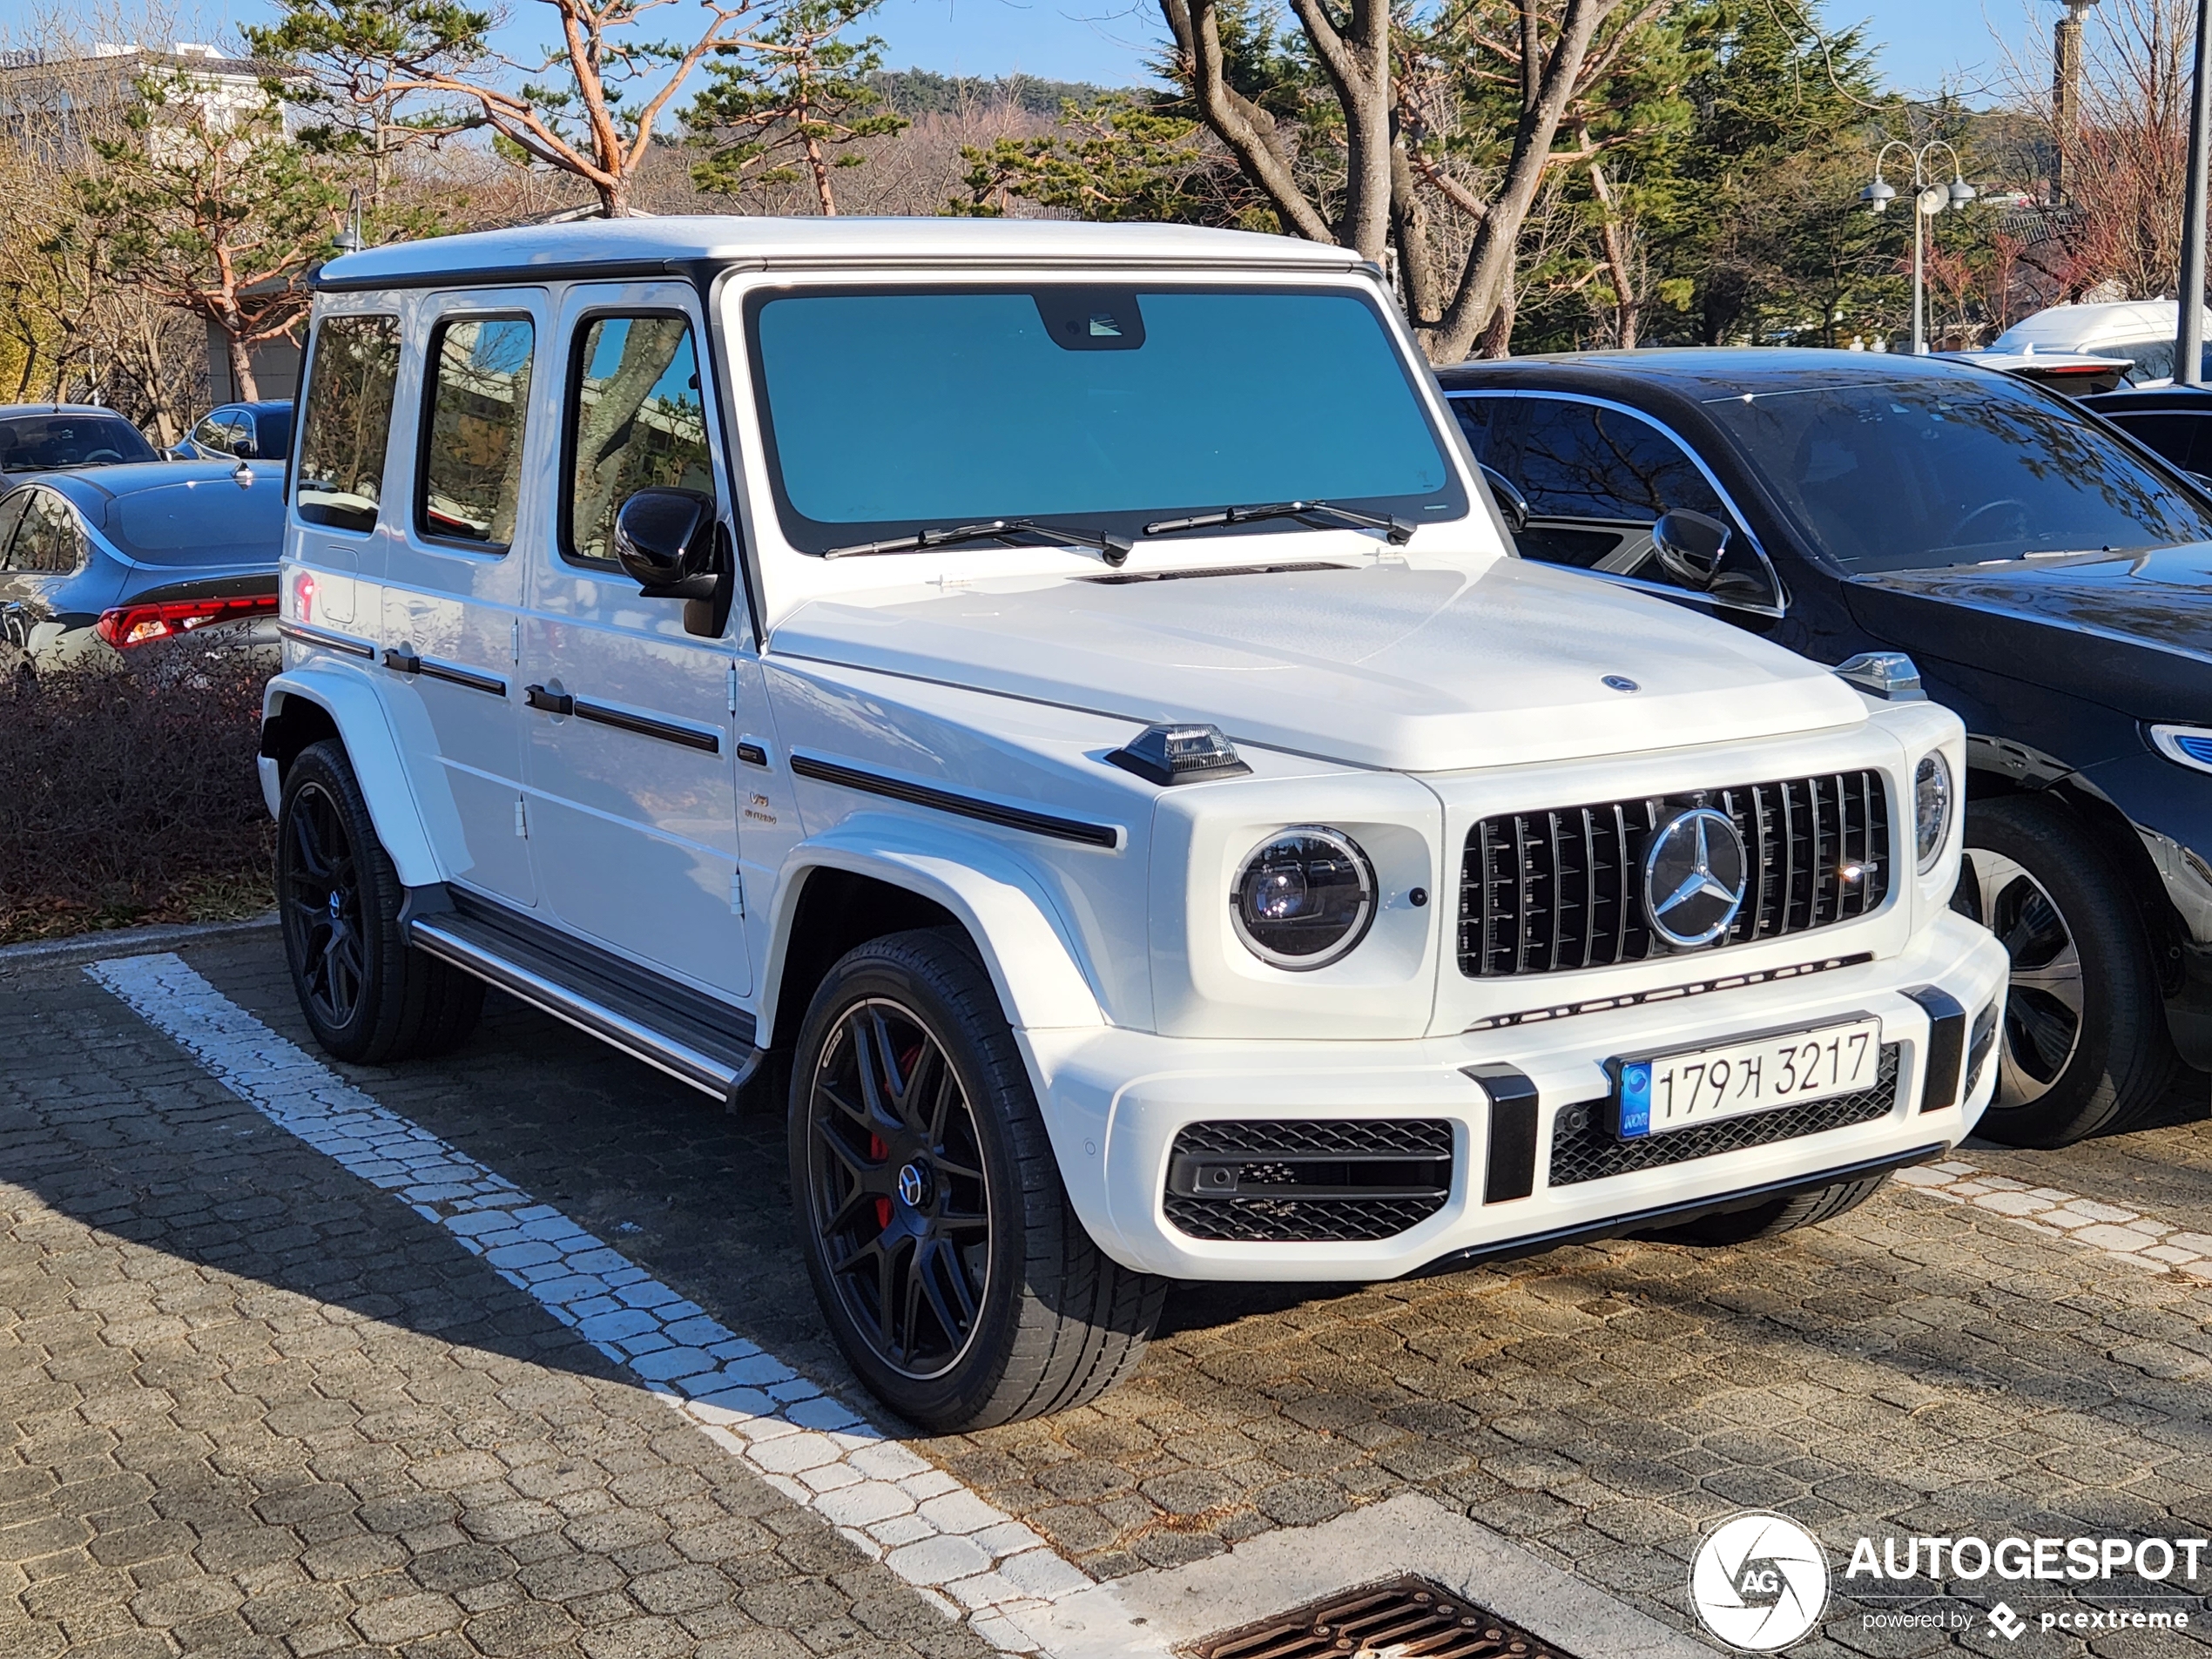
206, 521
40, 442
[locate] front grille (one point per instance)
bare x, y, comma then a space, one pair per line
1299, 1181
1583, 1150
1405, 1616
1544, 892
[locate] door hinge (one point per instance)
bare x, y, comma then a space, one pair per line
521, 820
515, 640
737, 893
732, 684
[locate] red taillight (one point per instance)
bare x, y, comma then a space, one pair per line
138, 624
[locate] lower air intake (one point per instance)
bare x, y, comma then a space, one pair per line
1406, 1616
1308, 1181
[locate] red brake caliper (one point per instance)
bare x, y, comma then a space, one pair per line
879, 1151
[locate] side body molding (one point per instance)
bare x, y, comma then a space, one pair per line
1032, 958
359, 714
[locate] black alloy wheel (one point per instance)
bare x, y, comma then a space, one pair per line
322, 907
897, 1190
950, 1265
368, 996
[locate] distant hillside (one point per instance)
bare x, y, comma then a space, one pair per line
921, 92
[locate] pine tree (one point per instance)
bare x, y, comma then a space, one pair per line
798, 89
205, 203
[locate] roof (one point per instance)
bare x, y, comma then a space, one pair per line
1703, 374
7, 409
2070, 327
637, 244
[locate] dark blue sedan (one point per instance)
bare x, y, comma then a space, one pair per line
113, 557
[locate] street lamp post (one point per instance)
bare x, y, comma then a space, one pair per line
1929, 199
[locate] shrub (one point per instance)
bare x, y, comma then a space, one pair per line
129, 794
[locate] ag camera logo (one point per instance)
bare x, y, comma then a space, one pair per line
1759, 1582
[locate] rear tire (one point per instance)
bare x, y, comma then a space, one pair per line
368, 996
2084, 1045
1779, 1215
949, 1264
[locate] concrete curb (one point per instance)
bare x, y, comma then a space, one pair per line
125, 941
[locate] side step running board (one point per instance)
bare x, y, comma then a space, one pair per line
708, 1061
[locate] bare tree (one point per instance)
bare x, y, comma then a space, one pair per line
1550, 53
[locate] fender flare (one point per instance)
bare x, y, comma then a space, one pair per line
1026, 946
358, 712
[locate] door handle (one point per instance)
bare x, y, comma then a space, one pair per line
548, 702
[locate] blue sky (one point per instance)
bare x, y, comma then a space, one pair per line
1924, 43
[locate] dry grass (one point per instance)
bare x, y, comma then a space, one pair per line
131, 796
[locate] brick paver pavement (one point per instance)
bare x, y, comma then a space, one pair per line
1917, 1367
256, 1407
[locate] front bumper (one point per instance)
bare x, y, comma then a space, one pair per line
1116, 1100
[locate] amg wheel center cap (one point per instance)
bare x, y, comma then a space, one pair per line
914, 1186
1694, 876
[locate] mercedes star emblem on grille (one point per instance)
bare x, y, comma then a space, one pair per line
1694, 876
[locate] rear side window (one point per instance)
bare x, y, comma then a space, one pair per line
637, 421
350, 383
47, 542
472, 429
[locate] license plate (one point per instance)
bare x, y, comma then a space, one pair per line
1660, 1093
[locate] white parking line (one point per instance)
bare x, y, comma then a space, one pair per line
966, 1557
2056, 1213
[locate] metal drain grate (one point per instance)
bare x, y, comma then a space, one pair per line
1408, 1616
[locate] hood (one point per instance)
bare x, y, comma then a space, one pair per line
2131, 631
1399, 664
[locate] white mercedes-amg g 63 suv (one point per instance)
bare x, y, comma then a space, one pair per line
1052, 708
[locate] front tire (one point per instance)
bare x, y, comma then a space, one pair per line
368, 996
2084, 1046
952, 1269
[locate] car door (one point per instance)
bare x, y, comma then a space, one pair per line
47, 549
633, 722
1597, 477
454, 583
12, 629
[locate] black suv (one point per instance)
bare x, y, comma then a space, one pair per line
2049, 577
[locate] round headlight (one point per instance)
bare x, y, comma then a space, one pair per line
1304, 898
1930, 807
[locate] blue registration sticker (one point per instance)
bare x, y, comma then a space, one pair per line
1636, 1100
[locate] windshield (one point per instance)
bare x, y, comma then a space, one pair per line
40, 442
1916, 474
888, 412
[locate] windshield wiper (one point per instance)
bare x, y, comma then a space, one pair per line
1314, 515
1113, 549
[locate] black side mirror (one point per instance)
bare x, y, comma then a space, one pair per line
244, 449
1511, 503
669, 542
664, 540
1690, 546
